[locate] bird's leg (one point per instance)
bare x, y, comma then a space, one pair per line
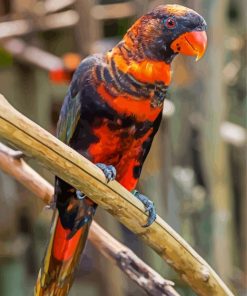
109, 172
149, 207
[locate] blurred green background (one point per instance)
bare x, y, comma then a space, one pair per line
196, 170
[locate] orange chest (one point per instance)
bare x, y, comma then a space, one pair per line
136, 88
140, 108
117, 144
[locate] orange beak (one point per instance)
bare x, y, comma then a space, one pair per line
191, 43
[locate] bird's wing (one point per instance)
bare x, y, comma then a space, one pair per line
147, 145
71, 109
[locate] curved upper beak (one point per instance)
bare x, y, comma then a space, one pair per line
191, 43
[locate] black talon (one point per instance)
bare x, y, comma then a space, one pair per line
108, 170
149, 207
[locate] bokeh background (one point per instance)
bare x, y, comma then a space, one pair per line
196, 170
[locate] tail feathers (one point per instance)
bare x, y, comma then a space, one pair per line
61, 259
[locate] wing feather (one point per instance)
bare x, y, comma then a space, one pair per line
71, 109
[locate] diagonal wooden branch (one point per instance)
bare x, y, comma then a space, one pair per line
82, 174
119, 254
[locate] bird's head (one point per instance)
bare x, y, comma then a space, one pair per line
168, 30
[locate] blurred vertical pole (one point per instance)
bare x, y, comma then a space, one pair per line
13, 273
215, 154
243, 153
43, 99
244, 223
87, 30
12, 277
243, 24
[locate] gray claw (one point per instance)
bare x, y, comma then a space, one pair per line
80, 195
108, 170
151, 216
149, 207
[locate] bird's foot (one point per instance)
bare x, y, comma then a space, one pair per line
149, 207
108, 170
80, 195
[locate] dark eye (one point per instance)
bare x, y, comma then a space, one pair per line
170, 23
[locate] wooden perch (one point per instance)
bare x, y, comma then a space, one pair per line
83, 175
148, 279
50, 22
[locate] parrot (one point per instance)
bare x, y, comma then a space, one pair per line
110, 115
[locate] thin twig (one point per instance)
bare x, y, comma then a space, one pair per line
119, 254
85, 176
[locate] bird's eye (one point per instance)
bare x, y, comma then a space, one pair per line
170, 23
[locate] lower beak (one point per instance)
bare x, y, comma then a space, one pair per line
191, 43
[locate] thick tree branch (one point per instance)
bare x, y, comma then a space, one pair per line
82, 174
128, 262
